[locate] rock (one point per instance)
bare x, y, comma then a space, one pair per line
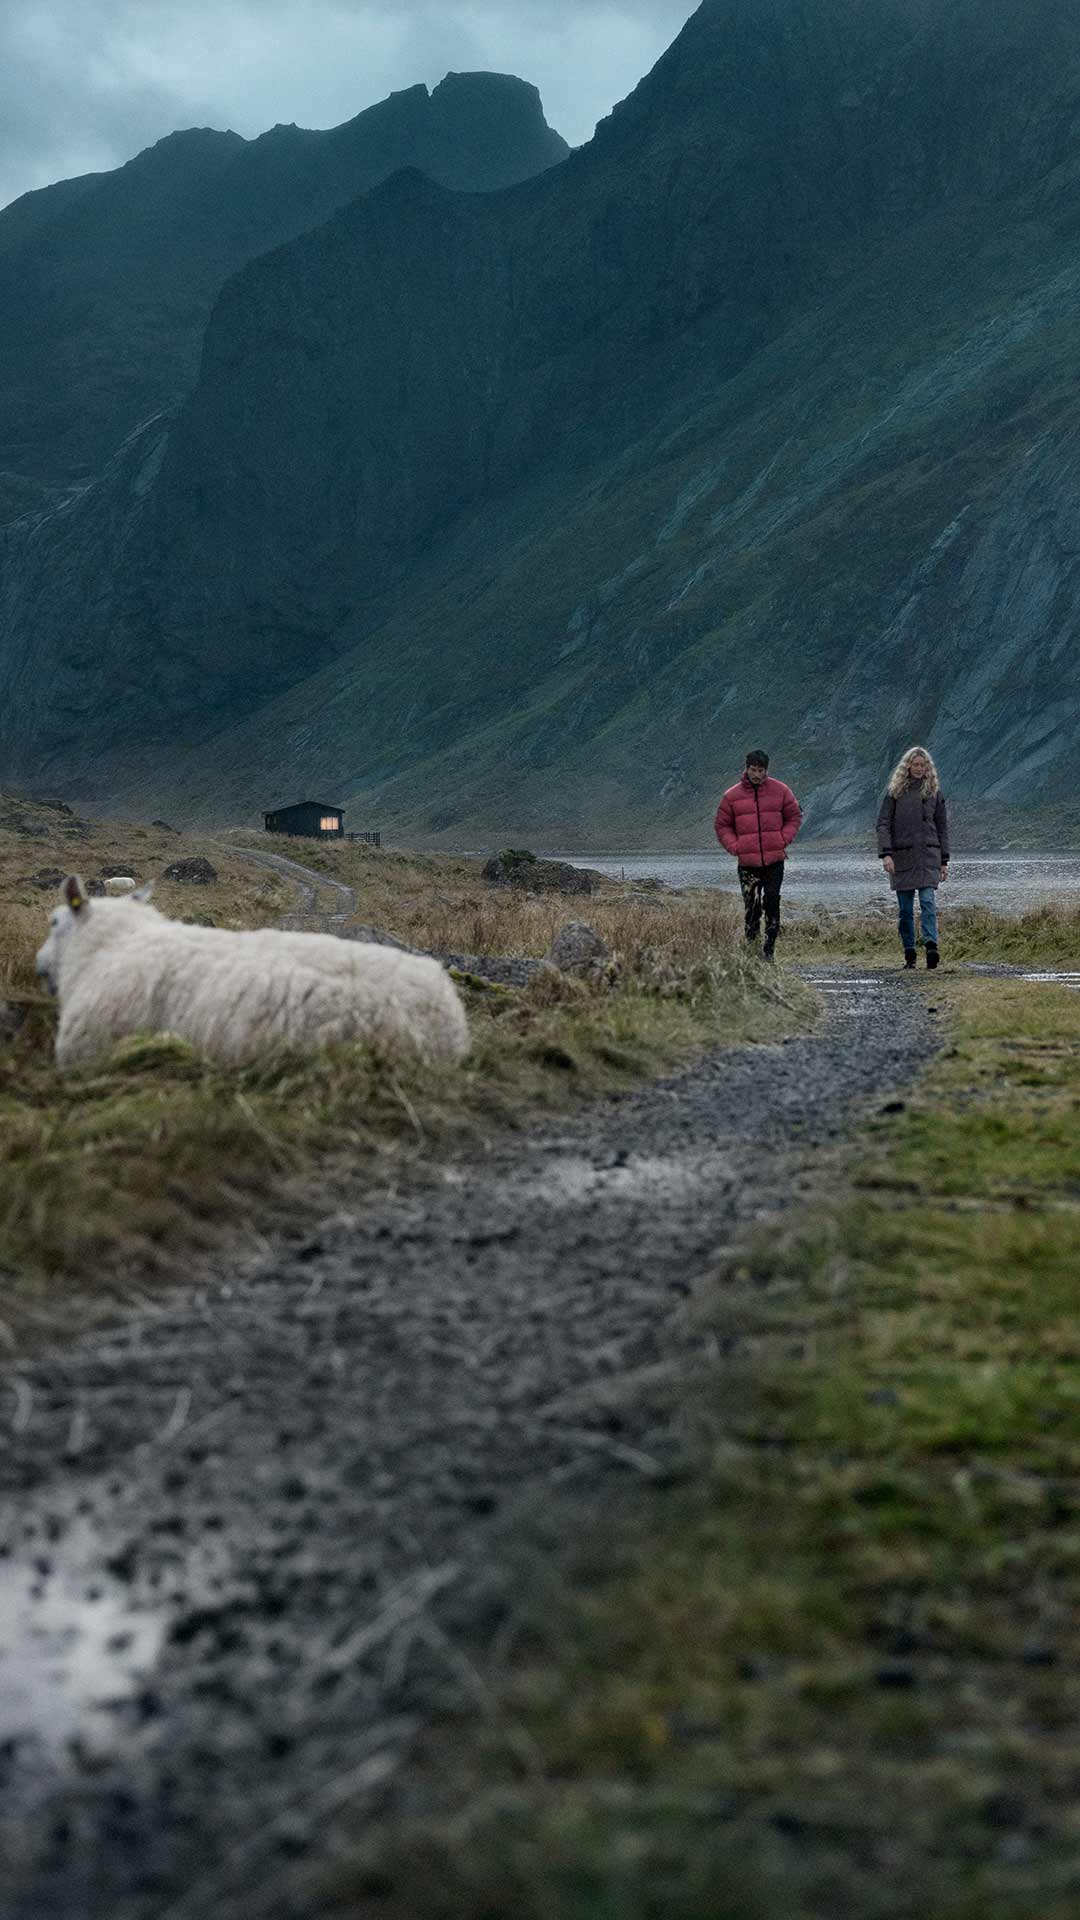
499, 970
12, 1019
47, 878
576, 948
116, 873
524, 872
377, 937
164, 826
192, 873
198, 920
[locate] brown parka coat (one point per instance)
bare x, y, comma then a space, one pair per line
915, 830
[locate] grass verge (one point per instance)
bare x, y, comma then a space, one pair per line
1044, 935
129, 1167
836, 1670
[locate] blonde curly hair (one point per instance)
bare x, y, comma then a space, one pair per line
901, 776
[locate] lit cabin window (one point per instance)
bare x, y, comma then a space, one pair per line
331, 823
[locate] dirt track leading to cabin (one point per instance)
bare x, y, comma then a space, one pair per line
308, 915
245, 1532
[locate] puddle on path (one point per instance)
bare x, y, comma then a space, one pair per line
73, 1648
853, 991
574, 1179
1054, 980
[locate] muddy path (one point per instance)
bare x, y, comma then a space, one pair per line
245, 1545
322, 905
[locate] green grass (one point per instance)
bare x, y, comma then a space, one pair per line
1045, 935
836, 1670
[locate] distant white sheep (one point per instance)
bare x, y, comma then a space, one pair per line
120, 967
118, 884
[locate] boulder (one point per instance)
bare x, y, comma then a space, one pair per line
578, 949
377, 937
47, 878
524, 872
192, 873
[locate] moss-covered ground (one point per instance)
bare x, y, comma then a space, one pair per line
835, 1670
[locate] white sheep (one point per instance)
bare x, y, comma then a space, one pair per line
118, 884
120, 967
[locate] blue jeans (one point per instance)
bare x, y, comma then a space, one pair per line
927, 914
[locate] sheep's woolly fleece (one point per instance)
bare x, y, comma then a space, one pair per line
119, 967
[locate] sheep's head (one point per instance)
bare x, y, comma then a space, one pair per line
62, 923
74, 913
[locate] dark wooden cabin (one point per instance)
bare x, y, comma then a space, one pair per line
308, 820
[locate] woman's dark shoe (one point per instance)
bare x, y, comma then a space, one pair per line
932, 955
910, 956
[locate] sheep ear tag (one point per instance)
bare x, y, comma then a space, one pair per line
74, 893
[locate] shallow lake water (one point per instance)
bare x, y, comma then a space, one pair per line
852, 882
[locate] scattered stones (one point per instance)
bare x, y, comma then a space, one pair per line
46, 878
192, 873
522, 871
578, 949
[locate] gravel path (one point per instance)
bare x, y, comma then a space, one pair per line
245, 1533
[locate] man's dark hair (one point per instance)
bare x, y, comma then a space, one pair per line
757, 758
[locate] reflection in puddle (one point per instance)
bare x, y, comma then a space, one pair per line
71, 1647
1053, 979
574, 1179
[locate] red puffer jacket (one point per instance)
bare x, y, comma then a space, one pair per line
758, 824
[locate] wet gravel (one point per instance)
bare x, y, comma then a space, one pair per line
245, 1537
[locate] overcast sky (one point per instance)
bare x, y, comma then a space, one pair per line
85, 84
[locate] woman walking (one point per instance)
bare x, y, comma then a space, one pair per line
913, 841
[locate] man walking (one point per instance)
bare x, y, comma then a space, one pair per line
756, 822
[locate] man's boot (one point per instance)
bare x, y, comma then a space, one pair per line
910, 957
932, 955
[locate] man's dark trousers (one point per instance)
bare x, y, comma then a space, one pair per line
761, 890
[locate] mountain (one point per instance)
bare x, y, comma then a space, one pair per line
107, 282
527, 513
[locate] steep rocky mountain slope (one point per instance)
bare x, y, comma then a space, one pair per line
107, 282
754, 422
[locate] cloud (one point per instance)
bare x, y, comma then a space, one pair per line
85, 84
